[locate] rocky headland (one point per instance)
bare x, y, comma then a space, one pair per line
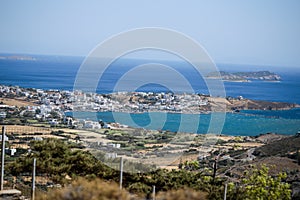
245, 76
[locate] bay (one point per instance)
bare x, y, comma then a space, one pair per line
55, 72
246, 123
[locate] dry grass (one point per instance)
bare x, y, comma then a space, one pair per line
28, 130
87, 190
16, 102
182, 194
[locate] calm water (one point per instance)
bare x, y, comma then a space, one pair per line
244, 123
60, 73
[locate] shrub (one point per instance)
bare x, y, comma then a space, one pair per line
83, 189
258, 184
182, 194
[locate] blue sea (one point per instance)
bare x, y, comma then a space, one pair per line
56, 72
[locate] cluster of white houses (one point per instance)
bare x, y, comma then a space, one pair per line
51, 105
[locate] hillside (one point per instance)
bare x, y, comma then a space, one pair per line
282, 147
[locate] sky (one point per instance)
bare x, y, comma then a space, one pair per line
261, 32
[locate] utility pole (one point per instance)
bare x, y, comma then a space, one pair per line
33, 180
2, 157
121, 172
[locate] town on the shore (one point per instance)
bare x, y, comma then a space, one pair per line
52, 105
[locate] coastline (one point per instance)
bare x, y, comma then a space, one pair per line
136, 102
53, 105
122, 101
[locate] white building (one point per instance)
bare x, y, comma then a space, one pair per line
91, 125
10, 152
53, 122
2, 115
5, 138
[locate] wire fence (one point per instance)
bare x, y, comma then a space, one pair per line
23, 181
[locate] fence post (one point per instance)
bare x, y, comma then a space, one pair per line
153, 193
33, 180
2, 157
121, 172
225, 191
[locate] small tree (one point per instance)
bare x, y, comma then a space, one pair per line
258, 184
54, 114
191, 165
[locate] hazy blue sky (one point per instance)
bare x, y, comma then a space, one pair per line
263, 32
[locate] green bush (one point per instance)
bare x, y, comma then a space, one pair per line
258, 184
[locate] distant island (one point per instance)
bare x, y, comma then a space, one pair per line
17, 57
245, 76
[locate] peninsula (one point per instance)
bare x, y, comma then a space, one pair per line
245, 76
